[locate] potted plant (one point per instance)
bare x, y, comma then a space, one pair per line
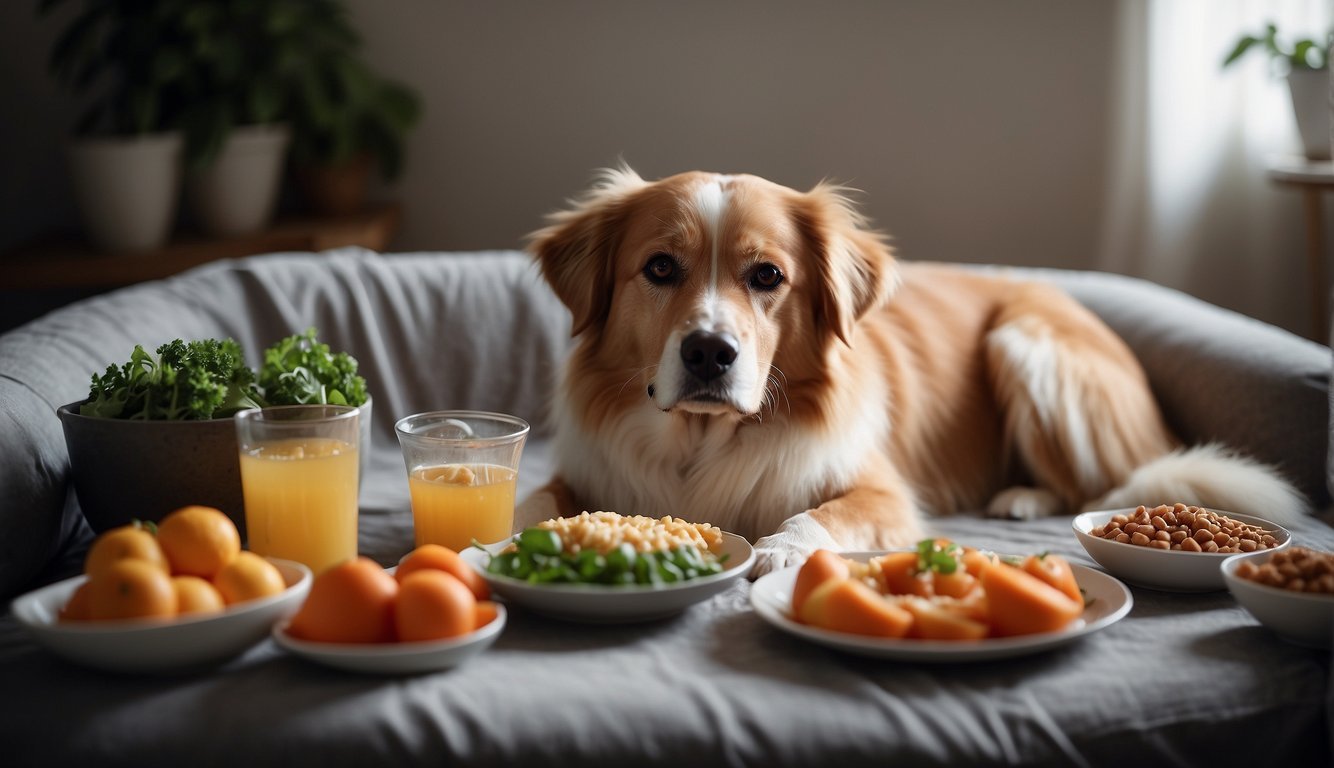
139, 71
156, 433
1305, 63
347, 121
237, 137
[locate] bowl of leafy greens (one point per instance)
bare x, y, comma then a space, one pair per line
156, 432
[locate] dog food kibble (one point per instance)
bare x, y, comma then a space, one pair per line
1185, 528
1297, 569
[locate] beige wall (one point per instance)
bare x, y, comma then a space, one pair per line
978, 131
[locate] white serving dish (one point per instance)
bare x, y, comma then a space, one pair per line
1303, 618
606, 604
1167, 570
395, 658
158, 645
1108, 601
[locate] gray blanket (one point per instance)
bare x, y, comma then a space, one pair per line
1185, 679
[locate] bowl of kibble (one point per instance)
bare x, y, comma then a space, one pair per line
1290, 591
1173, 547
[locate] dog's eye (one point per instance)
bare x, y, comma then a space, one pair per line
765, 277
661, 269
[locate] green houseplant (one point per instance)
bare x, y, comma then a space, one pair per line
346, 120
138, 72
1305, 64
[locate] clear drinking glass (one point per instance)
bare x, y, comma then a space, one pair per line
299, 467
462, 467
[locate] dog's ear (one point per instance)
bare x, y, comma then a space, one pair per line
576, 249
854, 268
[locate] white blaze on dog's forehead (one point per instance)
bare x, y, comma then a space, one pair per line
711, 200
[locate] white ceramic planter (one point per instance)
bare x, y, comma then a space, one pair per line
1311, 106
236, 194
126, 188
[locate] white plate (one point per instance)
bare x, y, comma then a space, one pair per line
158, 645
1303, 618
608, 604
395, 658
1169, 570
1109, 599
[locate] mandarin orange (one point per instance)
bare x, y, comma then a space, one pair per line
352, 602
126, 542
248, 577
198, 541
433, 605
195, 595
130, 589
440, 558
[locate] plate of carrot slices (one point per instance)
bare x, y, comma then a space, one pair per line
939, 602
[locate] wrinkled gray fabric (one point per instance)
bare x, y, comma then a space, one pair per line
1184, 680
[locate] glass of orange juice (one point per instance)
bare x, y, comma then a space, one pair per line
299, 479
462, 467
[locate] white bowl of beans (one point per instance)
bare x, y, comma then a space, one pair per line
1175, 548
1291, 592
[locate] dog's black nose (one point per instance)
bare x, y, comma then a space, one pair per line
708, 355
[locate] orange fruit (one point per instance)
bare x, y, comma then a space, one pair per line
938, 622
434, 556
78, 608
131, 589
248, 577
433, 605
820, 567
198, 541
352, 602
194, 595
847, 605
1056, 571
898, 574
1022, 604
126, 542
485, 614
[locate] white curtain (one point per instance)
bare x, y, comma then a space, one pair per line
1189, 204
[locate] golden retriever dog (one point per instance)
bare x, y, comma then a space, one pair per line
754, 357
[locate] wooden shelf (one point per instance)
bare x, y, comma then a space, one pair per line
69, 261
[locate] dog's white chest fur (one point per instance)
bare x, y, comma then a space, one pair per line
746, 479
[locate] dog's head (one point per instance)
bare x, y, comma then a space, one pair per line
701, 284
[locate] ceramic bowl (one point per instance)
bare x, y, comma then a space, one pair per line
1303, 618
1166, 570
125, 470
157, 645
395, 658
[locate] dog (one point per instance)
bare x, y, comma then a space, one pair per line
757, 358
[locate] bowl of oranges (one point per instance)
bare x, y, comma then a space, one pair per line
431, 612
176, 596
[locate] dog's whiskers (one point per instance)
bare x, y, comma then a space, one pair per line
636, 373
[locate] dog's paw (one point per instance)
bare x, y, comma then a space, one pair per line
790, 545
1021, 503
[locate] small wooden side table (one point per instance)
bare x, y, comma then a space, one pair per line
66, 261
1312, 178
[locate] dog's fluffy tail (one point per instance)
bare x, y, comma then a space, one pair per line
1210, 476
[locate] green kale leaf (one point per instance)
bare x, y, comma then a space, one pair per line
300, 370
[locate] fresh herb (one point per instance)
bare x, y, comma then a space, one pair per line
539, 557
301, 370
941, 557
185, 380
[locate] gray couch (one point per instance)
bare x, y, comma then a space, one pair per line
1184, 679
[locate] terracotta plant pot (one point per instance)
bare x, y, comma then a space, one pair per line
335, 190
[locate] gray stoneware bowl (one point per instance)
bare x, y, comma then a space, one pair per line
127, 470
